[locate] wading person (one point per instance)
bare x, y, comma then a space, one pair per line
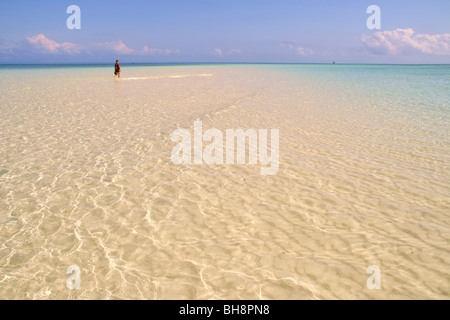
117, 69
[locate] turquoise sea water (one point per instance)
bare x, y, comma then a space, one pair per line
418, 86
422, 85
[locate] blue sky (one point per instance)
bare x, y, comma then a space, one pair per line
225, 31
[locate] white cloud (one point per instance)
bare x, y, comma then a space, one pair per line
304, 51
220, 53
160, 52
234, 52
406, 42
287, 44
116, 46
45, 45
296, 48
50, 46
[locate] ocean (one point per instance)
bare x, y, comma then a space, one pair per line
87, 180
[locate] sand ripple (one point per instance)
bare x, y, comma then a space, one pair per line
86, 179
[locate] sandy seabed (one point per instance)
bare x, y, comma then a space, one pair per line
86, 179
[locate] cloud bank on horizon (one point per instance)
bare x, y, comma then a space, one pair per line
406, 42
41, 44
209, 31
399, 42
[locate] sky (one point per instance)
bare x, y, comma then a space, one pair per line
209, 31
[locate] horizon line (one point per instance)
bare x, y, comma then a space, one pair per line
213, 63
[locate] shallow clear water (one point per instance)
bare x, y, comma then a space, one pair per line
86, 179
